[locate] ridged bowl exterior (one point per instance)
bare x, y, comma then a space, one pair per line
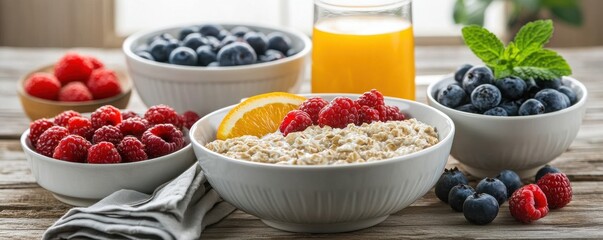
485, 145
316, 195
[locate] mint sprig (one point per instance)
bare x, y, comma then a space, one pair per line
524, 57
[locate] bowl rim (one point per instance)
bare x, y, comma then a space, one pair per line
579, 104
448, 138
126, 89
128, 43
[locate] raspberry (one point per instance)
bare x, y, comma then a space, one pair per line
75, 92
162, 139
73, 67
96, 64
161, 114
72, 148
80, 126
128, 114
133, 126
103, 83
43, 85
367, 114
372, 99
528, 204
390, 113
557, 188
295, 120
103, 152
339, 113
63, 118
312, 107
105, 115
49, 140
189, 118
107, 134
132, 150
37, 127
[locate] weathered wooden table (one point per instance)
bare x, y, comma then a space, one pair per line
26, 209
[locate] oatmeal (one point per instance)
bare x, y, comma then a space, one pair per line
325, 145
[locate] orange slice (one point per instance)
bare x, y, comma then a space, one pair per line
258, 115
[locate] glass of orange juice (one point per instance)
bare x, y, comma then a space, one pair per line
359, 45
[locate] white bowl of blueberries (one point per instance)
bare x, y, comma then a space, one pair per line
508, 123
209, 66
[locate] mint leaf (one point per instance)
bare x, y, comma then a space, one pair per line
532, 37
543, 64
484, 44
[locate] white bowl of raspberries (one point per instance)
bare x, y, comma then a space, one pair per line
82, 158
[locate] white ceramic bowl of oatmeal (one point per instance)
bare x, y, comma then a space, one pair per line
326, 198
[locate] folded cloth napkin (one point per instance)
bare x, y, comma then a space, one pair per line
179, 209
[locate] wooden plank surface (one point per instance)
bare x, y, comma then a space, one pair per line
26, 210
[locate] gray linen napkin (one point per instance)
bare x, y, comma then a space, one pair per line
179, 209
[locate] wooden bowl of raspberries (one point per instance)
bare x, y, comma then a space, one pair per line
76, 82
84, 157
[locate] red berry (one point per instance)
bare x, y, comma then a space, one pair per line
80, 126
96, 64
49, 140
37, 127
43, 85
103, 152
128, 114
63, 118
162, 139
372, 99
367, 114
528, 204
295, 121
132, 150
390, 113
312, 107
133, 126
103, 83
557, 188
72, 148
161, 114
105, 115
73, 67
107, 134
75, 92
339, 113
189, 118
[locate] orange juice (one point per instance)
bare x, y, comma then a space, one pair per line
353, 54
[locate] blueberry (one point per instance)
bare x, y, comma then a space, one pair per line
485, 96
158, 49
571, 95
531, 88
554, 84
183, 56
494, 187
511, 87
511, 106
271, 55
457, 196
172, 44
468, 108
480, 208
213, 42
544, 170
552, 100
228, 40
452, 96
194, 41
145, 55
239, 31
531, 107
164, 36
223, 34
450, 178
238, 53
186, 31
205, 55
291, 52
511, 180
279, 41
213, 64
210, 30
496, 111
460, 72
476, 76
257, 41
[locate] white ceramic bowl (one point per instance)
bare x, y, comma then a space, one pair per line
485, 145
205, 89
83, 184
334, 198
